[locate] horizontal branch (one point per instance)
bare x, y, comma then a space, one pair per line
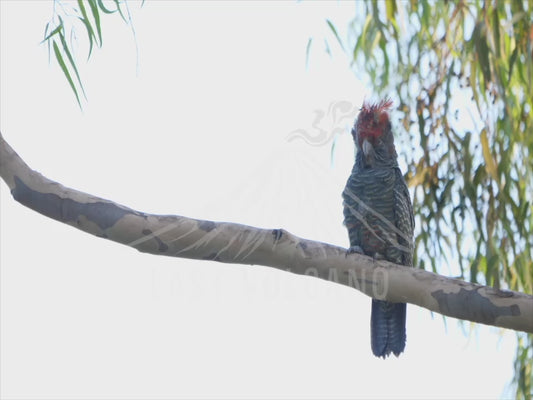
177, 236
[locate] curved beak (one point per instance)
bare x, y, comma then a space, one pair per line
368, 149
368, 153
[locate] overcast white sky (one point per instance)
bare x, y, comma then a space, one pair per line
200, 130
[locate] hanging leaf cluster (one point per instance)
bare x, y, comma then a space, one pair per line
66, 16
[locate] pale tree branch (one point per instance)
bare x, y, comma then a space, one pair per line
178, 236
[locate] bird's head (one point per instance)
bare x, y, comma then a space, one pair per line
372, 134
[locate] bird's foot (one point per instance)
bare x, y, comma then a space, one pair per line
354, 249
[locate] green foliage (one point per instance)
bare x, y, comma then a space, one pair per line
66, 16
461, 73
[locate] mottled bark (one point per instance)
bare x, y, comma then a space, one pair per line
177, 236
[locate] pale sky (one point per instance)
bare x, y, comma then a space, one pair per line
199, 128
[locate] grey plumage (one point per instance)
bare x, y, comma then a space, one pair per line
379, 217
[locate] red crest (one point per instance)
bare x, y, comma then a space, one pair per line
372, 118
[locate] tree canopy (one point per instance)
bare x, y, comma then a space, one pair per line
461, 73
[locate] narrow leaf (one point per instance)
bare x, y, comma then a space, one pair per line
96, 16
55, 31
366, 28
480, 42
71, 60
511, 63
307, 49
391, 9
63, 66
332, 27
119, 9
496, 31
490, 165
327, 47
104, 9
46, 30
90, 34
83, 11
85, 19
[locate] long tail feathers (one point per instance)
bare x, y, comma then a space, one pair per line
387, 328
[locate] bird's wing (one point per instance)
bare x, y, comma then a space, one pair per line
404, 220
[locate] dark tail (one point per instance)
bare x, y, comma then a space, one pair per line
387, 325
